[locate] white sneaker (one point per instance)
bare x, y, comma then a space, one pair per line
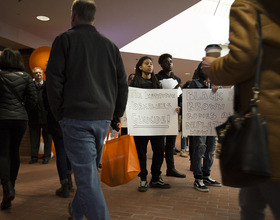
200, 186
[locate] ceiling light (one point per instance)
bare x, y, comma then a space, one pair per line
43, 18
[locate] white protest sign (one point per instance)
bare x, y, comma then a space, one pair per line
204, 110
151, 112
170, 84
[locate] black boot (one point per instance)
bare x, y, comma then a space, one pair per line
63, 191
8, 195
70, 184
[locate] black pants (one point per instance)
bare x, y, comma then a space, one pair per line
169, 150
62, 162
35, 135
157, 143
11, 134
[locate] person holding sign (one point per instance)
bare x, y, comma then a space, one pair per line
171, 82
203, 147
145, 78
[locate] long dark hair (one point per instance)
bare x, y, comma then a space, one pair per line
138, 74
11, 59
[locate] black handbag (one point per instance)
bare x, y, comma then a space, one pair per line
242, 142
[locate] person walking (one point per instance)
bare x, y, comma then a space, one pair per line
84, 103
238, 69
17, 96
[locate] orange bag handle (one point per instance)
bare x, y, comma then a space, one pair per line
107, 137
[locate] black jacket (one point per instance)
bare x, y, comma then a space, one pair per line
162, 75
10, 106
53, 125
38, 114
86, 79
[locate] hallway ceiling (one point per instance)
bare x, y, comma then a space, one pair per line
122, 21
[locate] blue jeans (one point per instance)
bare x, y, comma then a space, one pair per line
203, 147
253, 200
83, 142
184, 142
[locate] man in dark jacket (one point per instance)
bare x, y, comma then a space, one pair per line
166, 63
87, 87
38, 121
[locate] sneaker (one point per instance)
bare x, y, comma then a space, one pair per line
200, 186
183, 154
143, 186
207, 180
159, 183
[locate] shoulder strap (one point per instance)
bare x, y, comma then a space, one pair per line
256, 87
12, 90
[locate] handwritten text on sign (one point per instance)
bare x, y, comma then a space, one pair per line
151, 112
204, 110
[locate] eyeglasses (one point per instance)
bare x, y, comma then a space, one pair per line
167, 62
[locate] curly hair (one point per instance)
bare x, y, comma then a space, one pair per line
163, 56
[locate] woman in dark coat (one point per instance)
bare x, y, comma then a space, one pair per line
17, 96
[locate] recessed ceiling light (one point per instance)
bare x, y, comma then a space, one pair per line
187, 73
43, 18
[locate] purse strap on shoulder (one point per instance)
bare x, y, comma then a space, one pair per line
256, 87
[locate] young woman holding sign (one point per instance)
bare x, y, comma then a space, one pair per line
145, 78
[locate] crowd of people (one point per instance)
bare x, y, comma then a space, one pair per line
77, 121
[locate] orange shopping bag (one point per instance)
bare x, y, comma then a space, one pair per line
120, 163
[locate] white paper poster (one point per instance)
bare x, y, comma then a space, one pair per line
171, 84
204, 110
151, 112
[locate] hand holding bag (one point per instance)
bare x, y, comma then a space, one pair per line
120, 163
243, 146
